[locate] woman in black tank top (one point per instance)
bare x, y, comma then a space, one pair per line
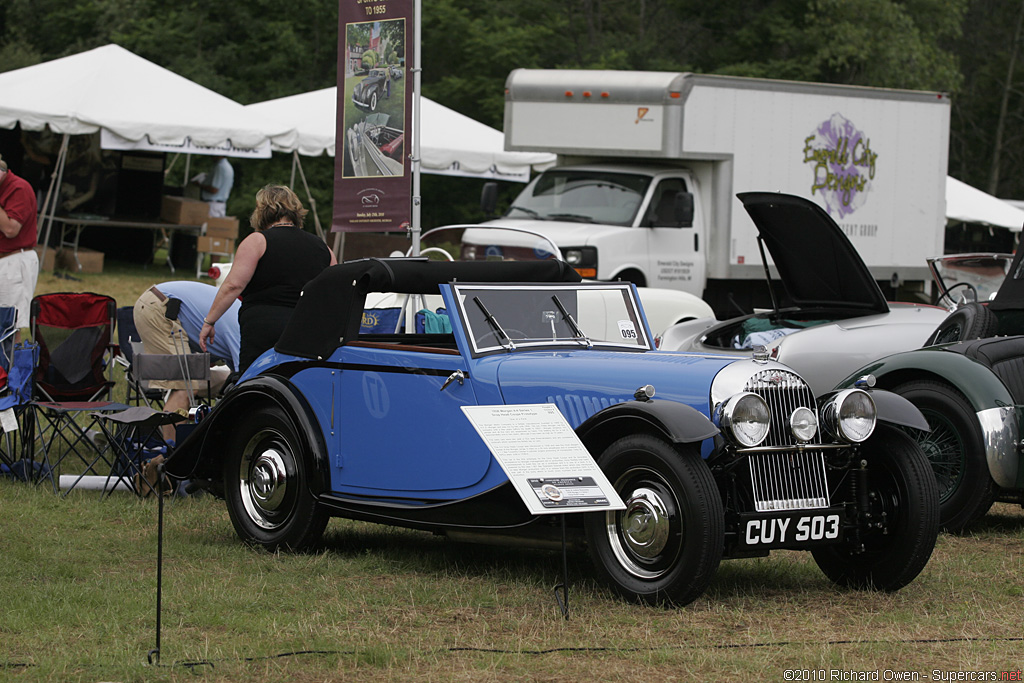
271, 267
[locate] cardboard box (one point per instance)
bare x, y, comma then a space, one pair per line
218, 245
222, 227
184, 211
47, 257
89, 260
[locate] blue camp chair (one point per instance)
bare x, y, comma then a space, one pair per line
17, 364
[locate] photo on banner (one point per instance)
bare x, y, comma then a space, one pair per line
373, 174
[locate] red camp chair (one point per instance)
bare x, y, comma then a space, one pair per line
74, 332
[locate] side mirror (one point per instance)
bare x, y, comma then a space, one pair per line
489, 199
683, 209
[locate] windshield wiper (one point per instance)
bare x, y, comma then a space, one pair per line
576, 217
499, 332
530, 212
572, 323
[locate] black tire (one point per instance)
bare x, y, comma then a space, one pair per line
900, 485
971, 321
373, 101
955, 449
666, 546
266, 484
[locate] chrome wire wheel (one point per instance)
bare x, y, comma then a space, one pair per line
646, 537
945, 452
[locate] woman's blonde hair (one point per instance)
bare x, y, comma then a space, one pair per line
276, 204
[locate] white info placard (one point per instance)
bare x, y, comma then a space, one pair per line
546, 462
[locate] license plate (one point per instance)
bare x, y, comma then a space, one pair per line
792, 530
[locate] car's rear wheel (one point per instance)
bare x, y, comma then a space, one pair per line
666, 546
955, 449
266, 482
897, 535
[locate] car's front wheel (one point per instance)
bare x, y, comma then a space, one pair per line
266, 482
666, 545
956, 450
373, 101
897, 532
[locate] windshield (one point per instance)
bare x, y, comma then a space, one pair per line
582, 196
510, 317
969, 277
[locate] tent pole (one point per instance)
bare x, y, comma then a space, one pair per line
53, 193
417, 79
297, 164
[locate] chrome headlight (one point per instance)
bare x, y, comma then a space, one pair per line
849, 416
743, 418
573, 257
803, 423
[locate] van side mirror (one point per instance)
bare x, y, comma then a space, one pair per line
489, 199
672, 211
683, 209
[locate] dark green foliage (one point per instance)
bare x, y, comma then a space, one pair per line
257, 50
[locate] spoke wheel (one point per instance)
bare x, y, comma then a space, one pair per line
955, 449
666, 545
266, 476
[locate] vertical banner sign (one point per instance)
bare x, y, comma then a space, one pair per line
372, 170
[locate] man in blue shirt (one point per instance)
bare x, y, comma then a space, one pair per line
164, 312
216, 186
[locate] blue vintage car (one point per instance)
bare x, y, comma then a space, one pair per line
715, 457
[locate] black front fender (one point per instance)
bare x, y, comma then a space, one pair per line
891, 408
201, 453
675, 422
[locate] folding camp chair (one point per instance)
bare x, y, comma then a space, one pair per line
16, 366
134, 435
73, 331
129, 343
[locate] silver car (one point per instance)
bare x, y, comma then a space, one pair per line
829, 316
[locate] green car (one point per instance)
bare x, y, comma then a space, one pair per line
968, 381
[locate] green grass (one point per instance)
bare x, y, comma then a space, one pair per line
79, 587
78, 584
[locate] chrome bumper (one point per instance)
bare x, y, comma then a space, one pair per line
1000, 433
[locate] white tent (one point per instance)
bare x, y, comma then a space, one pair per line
133, 100
113, 89
970, 205
452, 144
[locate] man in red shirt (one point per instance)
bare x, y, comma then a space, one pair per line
19, 265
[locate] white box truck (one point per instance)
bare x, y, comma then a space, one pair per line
650, 163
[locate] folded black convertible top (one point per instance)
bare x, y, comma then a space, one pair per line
330, 310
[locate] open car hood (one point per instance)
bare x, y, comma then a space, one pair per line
817, 264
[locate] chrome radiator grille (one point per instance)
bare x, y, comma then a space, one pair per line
790, 480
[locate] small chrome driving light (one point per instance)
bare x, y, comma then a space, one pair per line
644, 393
803, 423
573, 257
743, 419
849, 415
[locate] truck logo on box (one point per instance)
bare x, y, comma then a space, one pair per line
843, 163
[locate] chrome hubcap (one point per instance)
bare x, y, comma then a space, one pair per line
645, 524
645, 536
264, 482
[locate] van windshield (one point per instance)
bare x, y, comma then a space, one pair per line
582, 196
